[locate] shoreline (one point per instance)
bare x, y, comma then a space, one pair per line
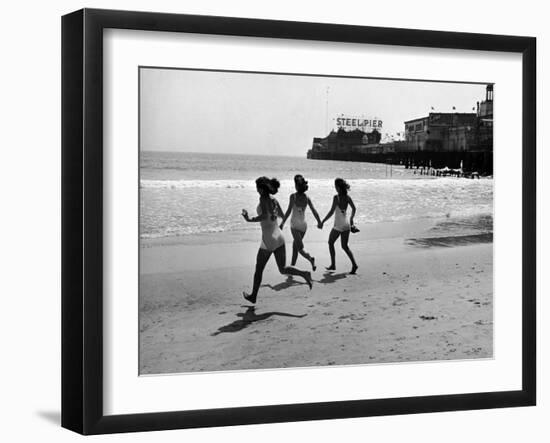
391, 229
369, 231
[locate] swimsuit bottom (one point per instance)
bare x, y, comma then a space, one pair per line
272, 240
298, 226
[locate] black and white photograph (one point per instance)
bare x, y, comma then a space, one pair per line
296, 221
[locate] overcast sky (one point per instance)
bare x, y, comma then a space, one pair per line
225, 112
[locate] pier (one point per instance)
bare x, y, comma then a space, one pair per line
434, 144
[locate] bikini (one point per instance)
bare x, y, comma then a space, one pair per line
272, 236
341, 221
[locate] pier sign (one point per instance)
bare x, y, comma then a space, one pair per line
351, 122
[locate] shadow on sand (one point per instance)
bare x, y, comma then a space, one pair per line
248, 317
284, 285
450, 241
329, 277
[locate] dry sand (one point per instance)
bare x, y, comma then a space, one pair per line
410, 301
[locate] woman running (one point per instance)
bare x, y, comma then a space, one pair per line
342, 225
297, 205
273, 241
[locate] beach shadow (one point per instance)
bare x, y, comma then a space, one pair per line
248, 317
54, 417
450, 241
284, 285
329, 277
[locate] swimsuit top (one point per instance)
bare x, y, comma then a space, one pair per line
298, 218
341, 222
272, 236
271, 219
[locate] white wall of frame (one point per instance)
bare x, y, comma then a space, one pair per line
30, 196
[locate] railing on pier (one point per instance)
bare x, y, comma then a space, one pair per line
480, 162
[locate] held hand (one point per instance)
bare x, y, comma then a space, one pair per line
320, 225
281, 226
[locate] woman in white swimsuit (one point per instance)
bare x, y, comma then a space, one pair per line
342, 225
297, 206
273, 241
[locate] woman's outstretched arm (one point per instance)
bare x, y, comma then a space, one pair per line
288, 211
265, 211
313, 211
350, 201
278, 209
334, 203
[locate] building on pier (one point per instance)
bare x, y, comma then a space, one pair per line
436, 132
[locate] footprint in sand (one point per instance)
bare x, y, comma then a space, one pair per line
399, 302
483, 323
473, 351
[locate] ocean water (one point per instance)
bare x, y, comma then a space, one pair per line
182, 194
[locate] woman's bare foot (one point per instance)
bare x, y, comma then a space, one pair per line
331, 268
249, 297
312, 261
308, 280
354, 269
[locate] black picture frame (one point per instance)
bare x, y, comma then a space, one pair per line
82, 220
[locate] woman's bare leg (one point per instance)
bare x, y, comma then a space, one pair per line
261, 260
347, 250
334, 234
298, 247
295, 246
280, 257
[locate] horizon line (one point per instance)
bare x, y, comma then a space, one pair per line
222, 153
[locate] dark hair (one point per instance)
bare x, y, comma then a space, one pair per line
301, 183
268, 185
341, 186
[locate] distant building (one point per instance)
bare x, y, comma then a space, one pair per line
438, 140
485, 120
485, 108
441, 132
346, 141
444, 132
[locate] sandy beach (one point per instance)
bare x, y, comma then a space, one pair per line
413, 299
